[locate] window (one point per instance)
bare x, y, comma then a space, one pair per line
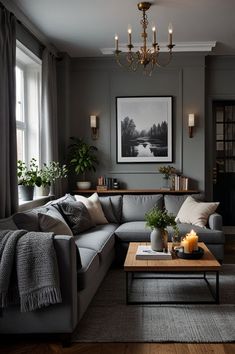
28, 102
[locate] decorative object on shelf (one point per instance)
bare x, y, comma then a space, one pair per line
28, 178
147, 57
166, 171
94, 124
191, 124
82, 159
158, 219
144, 129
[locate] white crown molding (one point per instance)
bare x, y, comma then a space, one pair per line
179, 47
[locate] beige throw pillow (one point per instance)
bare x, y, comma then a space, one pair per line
196, 213
94, 208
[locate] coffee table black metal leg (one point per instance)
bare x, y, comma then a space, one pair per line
217, 288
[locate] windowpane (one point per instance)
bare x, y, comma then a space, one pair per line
19, 94
20, 144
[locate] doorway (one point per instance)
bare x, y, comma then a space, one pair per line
224, 162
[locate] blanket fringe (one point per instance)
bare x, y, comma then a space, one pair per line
40, 298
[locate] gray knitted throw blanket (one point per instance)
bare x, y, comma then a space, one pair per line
28, 270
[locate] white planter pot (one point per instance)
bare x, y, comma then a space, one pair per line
42, 191
84, 185
158, 239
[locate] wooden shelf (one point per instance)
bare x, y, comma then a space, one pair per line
134, 191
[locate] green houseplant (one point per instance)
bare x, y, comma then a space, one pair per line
82, 158
158, 219
166, 171
28, 178
49, 173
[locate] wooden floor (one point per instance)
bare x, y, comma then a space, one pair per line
45, 347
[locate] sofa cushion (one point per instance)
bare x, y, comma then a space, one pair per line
194, 212
100, 239
77, 216
136, 206
90, 264
94, 207
206, 235
112, 208
7, 224
52, 221
173, 203
133, 231
28, 220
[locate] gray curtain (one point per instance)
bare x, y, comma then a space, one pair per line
8, 150
49, 126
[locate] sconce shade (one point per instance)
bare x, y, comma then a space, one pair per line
191, 120
93, 122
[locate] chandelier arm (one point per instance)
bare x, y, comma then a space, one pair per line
163, 65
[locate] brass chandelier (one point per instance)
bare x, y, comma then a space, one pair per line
147, 57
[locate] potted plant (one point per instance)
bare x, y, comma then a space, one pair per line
82, 159
28, 178
166, 171
158, 219
49, 174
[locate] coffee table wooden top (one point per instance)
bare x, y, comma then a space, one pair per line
206, 263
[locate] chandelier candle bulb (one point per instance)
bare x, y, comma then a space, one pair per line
170, 31
116, 41
154, 34
129, 35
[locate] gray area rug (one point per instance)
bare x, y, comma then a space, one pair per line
109, 319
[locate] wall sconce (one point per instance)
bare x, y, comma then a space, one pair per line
191, 124
94, 127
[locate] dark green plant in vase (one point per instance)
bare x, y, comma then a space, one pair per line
82, 159
158, 220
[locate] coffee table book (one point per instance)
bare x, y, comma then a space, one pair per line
146, 252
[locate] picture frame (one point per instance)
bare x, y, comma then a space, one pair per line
144, 129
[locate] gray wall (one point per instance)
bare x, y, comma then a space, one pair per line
94, 85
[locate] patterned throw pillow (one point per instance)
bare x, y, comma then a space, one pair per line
77, 216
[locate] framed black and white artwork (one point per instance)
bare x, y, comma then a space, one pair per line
144, 129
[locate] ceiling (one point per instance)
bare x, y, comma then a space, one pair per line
82, 27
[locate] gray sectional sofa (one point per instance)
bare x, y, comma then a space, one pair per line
84, 259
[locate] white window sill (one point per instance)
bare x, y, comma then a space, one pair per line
29, 204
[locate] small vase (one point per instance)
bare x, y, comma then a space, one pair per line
159, 240
166, 183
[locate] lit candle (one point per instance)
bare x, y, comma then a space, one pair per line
154, 34
129, 35
194, 237
186, 245
116, 41
170, 31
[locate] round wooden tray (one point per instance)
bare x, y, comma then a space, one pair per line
194, 255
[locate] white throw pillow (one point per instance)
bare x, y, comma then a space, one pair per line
94, 208
196, 213
50, 222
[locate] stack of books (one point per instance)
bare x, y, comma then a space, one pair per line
180, 183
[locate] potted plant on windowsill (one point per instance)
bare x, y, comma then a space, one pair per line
82, 159
158, 219
49, 174
28, 178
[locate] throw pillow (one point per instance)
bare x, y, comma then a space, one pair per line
53, 222
28, 220
77, 216
94, 208
196, 213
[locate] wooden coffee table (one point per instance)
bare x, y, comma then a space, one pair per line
207, 264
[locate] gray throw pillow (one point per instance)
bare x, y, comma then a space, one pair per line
77, 216
49, 223
28, 220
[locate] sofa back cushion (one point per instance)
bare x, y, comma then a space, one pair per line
135, 207
112, 208
28, 220
7, 224
173, 203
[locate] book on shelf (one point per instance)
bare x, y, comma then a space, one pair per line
146, 252
180, 183
101, 188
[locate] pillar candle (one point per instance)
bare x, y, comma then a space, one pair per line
186, 244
